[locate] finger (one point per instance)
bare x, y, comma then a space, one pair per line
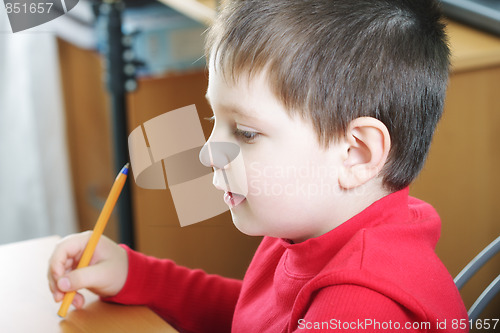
56, 293
52, 282
58, 296
90, 277
70, 264
65, 254
78, 301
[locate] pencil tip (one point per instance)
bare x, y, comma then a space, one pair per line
124, 170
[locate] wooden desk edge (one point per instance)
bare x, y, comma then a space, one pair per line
96, 316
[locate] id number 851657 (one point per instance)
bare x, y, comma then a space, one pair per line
478, 324
28, 8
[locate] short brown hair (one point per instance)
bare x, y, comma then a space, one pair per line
332, 61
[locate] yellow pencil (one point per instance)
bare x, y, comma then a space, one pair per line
96, 234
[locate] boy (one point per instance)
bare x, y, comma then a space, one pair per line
333, 104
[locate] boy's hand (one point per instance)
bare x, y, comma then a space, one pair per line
105, 275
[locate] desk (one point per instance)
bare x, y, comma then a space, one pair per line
26, 304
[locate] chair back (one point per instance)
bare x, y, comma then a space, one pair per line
489, 293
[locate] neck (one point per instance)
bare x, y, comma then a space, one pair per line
353, 202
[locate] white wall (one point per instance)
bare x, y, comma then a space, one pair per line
35, 190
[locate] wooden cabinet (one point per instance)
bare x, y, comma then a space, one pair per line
88, 133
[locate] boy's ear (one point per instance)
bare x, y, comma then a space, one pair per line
367, 148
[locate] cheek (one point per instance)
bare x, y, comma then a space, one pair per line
295, 181
264, 180
274, 183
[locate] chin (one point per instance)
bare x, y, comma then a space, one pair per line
245, 227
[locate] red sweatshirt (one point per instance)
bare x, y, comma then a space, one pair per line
376, 272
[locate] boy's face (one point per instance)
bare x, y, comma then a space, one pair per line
292, 182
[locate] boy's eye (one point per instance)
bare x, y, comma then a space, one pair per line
245, 136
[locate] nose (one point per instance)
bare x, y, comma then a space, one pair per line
218, 154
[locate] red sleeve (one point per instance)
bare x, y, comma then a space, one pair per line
190, 300
352, 308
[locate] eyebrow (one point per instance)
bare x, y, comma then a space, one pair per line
236, 110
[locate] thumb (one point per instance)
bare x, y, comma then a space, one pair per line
86, 277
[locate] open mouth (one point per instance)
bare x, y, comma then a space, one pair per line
233, 199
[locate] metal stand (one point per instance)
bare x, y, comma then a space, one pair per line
120, 79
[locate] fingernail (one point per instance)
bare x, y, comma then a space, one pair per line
63, 284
